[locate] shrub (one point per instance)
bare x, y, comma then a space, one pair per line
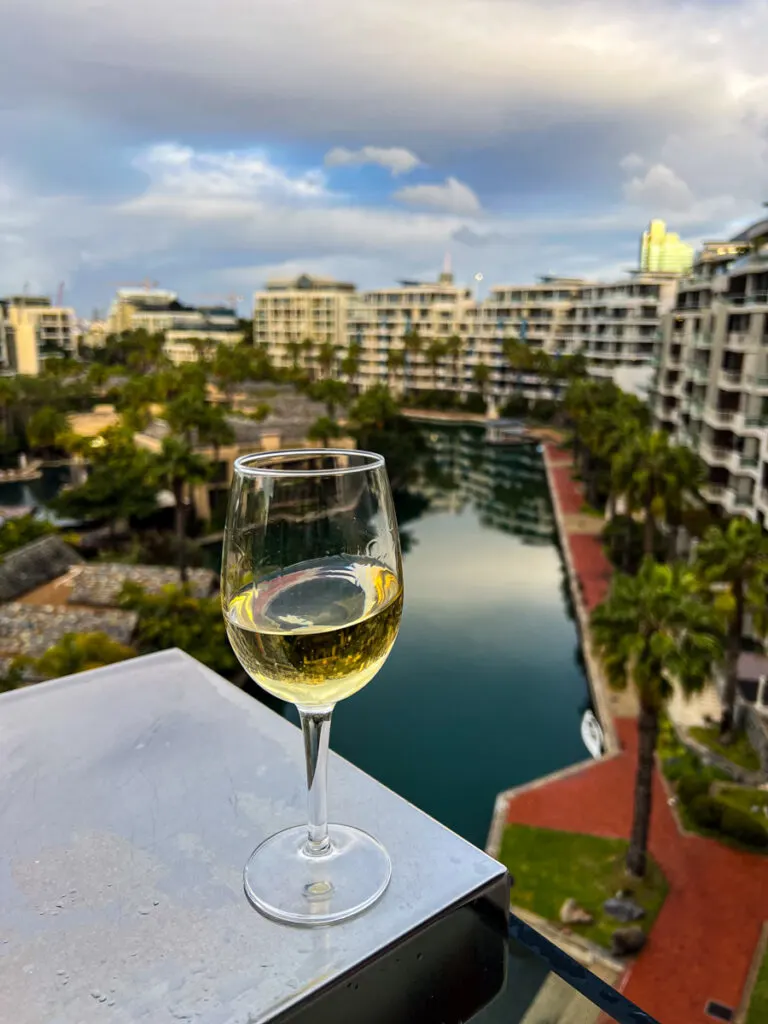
515, 405
706, 811
691, 786
475, 402
742, 826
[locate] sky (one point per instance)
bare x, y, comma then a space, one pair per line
210, 146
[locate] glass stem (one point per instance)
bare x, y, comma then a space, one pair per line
316, 728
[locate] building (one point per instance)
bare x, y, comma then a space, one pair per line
711, 386
32, 330
616, 324
189, 330
536, 315
662, 250
437, 335
392, 329
293, 317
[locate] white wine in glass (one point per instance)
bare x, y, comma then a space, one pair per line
312, 595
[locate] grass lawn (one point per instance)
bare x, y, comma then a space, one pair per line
549, 866
740, 751
758, 1002
745, 798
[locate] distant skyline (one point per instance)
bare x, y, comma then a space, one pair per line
208, 147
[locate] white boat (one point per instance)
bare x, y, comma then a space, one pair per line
592, 734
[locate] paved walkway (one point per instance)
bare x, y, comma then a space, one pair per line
702, 943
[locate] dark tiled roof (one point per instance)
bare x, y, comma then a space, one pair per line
33, 565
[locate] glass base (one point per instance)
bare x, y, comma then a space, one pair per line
287, 883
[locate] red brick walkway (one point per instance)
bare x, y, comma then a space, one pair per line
589, 561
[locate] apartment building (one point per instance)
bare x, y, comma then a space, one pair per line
392, 330
293, 317
711, 387
664, 251
34, 330
616, 325
435, 335
534, 314
188, 329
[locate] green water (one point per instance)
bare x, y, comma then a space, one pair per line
483, 689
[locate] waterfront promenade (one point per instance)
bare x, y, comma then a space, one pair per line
703, 941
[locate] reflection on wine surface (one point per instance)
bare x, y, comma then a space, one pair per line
319, 630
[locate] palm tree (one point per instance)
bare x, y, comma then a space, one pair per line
350, 364
333, 393
435, 352
453, 349
656, 630
308, 347
412, 344
326, 356
735, 557
179, 468
324, 429
656, 478
396, 361
46, 428
481, 376
294, 352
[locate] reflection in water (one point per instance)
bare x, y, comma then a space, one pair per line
481, 691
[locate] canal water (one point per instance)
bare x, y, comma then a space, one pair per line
484, 689
35, 492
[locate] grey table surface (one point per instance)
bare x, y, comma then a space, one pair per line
130, 799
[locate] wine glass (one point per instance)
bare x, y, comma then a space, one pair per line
312, 593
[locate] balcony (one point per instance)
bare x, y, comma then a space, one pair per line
715, 456
141, 897
738, 340
730, 380
702, 341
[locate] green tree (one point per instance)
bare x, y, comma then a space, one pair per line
436, 351
326, 357
15, 533
324, 429
333, 393
174, 618
350, 364
119, 483
45, 429
396, 362
734, 559
656, 478
179, 469
294, 354
481, 375
75, 652
454, 346
657, 631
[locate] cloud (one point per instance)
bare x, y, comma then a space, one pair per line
453, 196
181, 171
631, 162
477, 239
395, 159
661, 188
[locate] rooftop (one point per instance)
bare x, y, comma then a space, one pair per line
35, 564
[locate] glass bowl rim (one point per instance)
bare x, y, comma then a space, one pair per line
250, 465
